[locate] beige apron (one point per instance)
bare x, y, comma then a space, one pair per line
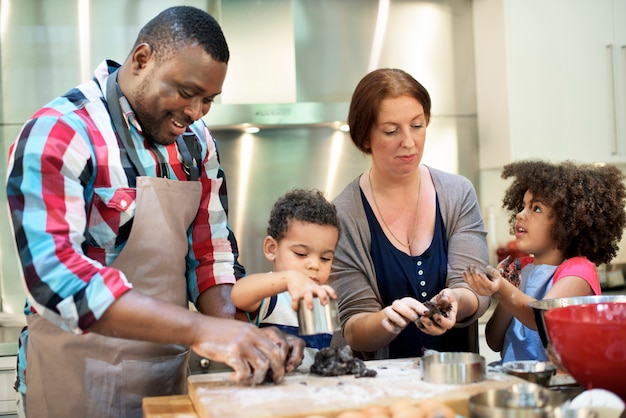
92, 376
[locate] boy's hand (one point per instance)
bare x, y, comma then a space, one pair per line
301, 287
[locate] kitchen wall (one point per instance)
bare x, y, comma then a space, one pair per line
551, 83
260, 167
46, 48
294, 65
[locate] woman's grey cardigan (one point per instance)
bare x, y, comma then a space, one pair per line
353, 274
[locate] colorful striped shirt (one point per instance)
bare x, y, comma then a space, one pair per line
71, 192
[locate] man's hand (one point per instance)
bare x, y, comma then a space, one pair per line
249, 350
244, 347
292, 346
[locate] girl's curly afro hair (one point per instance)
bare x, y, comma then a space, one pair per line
587, 203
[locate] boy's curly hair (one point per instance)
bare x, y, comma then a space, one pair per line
587, 203
301, 205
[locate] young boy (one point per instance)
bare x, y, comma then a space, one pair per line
301, 238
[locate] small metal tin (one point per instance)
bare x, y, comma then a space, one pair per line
453, 368
525, 400
539, 372
322, 319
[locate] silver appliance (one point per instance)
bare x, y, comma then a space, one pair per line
294, 65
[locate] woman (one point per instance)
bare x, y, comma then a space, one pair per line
408, 232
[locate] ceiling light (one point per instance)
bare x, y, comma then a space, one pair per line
251, 129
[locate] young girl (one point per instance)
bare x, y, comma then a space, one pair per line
570, 217
301, 238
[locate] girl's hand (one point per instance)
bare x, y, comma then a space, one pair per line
301, 287
400, 314
485, 284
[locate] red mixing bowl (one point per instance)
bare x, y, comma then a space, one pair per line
590, 342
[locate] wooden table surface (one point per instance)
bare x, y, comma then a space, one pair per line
213, 396
179, 406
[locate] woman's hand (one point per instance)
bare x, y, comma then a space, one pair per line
439, 315
400, 314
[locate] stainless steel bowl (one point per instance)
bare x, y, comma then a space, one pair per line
453, 368
541, 306
322, 319
525, 400
539, 372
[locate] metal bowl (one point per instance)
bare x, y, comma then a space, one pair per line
525, 400
322, 319
541, 306
453, 368
539, 372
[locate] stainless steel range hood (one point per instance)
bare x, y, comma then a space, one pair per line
275, 114
294, 65
290, 60
296, 62
293, 62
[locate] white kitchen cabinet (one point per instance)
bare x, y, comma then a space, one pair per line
8, 406
550, 80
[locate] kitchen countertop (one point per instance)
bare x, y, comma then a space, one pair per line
212, 396
304, 393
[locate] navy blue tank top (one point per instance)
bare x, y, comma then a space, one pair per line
399, 275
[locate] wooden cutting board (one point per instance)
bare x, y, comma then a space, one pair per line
302, 394
177, 406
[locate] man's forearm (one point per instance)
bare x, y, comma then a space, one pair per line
215, 301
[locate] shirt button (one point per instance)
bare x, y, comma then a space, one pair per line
419, 263
420, 272
423, 283
123, 203
424, 294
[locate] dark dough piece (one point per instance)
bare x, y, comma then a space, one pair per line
441, 306
512, 271
336, 362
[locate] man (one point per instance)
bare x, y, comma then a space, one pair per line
119, 208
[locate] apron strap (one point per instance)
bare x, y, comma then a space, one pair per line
113, 102
192, 159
